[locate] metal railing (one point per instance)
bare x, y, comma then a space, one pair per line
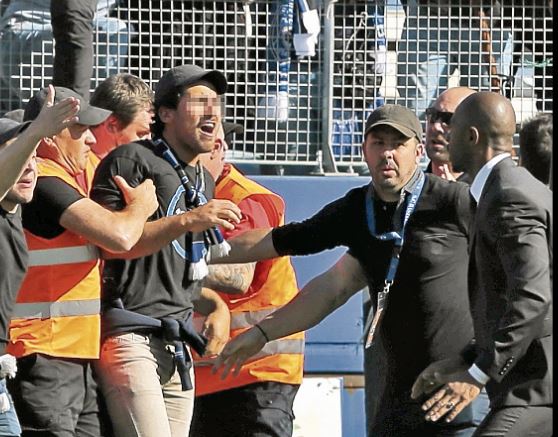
303, 111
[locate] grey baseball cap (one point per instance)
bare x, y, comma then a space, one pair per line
16, 114
398, 117
88, 115
10, 129
183, 75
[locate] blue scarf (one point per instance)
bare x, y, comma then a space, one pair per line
203, 245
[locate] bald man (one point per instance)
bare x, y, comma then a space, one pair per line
438, 118
510, 284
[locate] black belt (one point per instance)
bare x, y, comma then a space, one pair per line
179, 333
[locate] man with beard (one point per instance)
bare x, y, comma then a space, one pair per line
144, 368
407, 235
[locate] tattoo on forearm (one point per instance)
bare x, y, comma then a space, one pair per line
230, 278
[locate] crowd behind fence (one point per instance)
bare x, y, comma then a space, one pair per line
303, 93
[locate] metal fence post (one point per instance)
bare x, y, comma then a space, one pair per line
327, 87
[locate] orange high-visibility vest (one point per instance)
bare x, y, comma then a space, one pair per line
274, 285
57, 310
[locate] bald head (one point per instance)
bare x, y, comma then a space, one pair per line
483, 126
437, 125
450, 99
493, 115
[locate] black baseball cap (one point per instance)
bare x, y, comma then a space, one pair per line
398, 117
229, 129
10, 129
232, 128
183, 75
88, 115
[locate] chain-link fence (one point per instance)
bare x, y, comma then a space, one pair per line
302, 96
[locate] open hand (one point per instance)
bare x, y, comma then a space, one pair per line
54, 118
428, 380
216, 212
238, 350
216, 329
459, 390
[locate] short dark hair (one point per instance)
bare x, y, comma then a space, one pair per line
535, 146
169, 100
124, 94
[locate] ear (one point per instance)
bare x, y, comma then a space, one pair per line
112, 124
217, 148
47, 148
48, 141
474, 135
419, 152
165, 114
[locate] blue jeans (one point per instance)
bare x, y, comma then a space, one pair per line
9, 423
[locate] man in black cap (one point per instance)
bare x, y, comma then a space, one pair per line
18, 167
407, 236
55, 324
145, 367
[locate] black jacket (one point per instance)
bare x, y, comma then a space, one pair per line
510, 286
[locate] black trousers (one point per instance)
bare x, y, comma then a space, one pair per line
55, 397
255, 410
525, 421
72, 28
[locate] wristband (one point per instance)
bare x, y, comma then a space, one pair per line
263, 332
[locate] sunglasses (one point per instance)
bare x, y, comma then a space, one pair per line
434, 115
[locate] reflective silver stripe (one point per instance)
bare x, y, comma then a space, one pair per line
280, 346
45, 310
246, 319
63, 255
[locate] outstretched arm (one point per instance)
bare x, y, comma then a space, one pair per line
250, 246
50, 121
320, 297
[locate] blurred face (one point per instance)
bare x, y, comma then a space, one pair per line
75, 144
22, 191
192, 126
392, 159
214, 161
138, 129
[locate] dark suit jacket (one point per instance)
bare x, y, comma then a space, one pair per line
510, 286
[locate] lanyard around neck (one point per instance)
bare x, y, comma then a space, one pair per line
374, 318
194, 192
396, 236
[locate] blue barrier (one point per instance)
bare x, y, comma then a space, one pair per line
333, 346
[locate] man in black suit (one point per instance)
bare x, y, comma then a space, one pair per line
510, 282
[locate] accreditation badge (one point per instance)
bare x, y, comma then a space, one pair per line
382, 300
